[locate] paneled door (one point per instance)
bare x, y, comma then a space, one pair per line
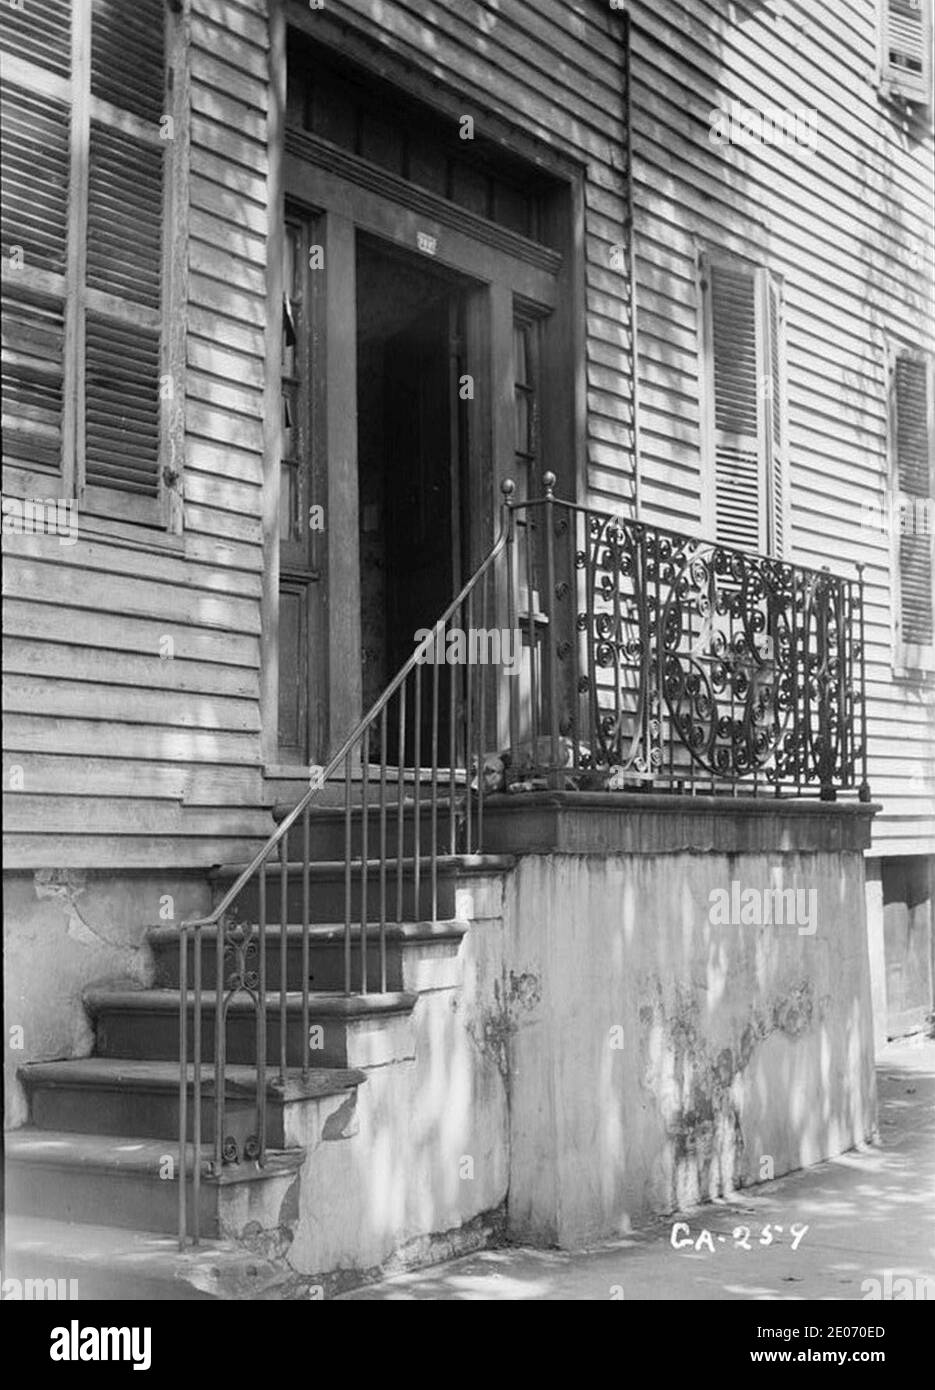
302, 518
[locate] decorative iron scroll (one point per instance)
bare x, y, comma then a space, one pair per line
708, 663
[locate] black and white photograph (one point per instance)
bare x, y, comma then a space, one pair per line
468, 520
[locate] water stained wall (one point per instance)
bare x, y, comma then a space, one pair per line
662, 1058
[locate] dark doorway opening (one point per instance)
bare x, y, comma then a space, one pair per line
411, 437
907, 936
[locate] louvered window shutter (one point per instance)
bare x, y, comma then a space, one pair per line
905, 44
36, 114
914, 444
124, 248
731, 324
745, 404
777, 462
84, 206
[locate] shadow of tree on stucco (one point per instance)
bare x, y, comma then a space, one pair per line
868, 1231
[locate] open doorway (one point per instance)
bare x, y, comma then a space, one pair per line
411, 447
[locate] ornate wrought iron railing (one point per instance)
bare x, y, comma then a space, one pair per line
586, 651
667, 662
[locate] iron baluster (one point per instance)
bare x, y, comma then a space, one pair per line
364, 851
306, 867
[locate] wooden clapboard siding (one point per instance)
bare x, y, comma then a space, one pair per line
841, 230
67, 661
53, 622
55, 774
127, 759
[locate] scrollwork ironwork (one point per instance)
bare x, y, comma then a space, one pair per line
709, 662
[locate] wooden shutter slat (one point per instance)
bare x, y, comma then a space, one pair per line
40, 32
915, 561
125, 216
734, 381
912, 440
734, 337
125, 247
128, 55
32, 363
34, 153
913, 467
122, 406
778, 463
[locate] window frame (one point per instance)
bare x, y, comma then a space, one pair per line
162, 513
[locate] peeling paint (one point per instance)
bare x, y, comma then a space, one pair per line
525, 990
483, 1232
289, 1207
342, 1123
64, 887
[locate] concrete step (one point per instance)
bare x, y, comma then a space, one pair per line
105, 1095
326, 952
327, 889
73, 1260
118, 1181
328, 829
355, 1030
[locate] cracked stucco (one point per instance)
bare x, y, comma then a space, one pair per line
64, 887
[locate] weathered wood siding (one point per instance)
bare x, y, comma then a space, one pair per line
849, 228
129, 759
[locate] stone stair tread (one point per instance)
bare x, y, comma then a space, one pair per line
215, 1268
329, 868
103, 1072
124, 1154
281, 809
333, 1003
450, 928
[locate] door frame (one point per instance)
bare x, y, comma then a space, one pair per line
346, 195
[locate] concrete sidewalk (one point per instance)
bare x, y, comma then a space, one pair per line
870, 1216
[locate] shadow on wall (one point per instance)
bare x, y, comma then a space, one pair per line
867, 1237
671, 1059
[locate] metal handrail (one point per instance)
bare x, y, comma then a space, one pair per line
278, 839
354, 737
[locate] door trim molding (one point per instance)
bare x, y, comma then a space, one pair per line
399, 220
405, 194
272, 403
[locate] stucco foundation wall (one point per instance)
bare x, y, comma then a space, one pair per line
414, 1167
657, 1059
65, 930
